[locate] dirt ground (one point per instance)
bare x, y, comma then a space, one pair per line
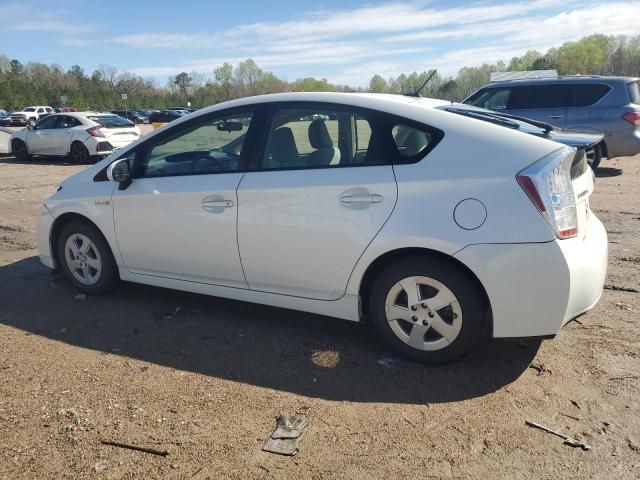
205, 378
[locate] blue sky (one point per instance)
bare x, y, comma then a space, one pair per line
345, 42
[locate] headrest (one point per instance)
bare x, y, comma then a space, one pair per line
283, 145
415, 142
319, 135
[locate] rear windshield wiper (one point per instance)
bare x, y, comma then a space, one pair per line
486, 117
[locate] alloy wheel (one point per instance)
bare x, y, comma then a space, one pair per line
83, 259
423, 313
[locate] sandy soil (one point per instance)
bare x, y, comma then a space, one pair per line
206, 383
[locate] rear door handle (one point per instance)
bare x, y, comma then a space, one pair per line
361, 199
217, 204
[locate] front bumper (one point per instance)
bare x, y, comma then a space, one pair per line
535, 288
45, 222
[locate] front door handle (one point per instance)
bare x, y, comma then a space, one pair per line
361, 199
556, 116
217, 204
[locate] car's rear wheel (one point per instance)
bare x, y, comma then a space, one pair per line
594, 156
86, 259
79, 153
20, 150
427, 309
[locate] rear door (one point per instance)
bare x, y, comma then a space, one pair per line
318, 191
545, 102
63, 132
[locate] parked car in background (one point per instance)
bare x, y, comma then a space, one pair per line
164, 116
64, 109
5, 118
456, 229
133, 115
183, 109
610, 105
81, 135
146, 111
30, 115
585, 142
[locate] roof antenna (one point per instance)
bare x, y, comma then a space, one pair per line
417, 92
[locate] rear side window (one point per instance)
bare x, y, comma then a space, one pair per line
538, 96
634, 92
316, 138
584, 95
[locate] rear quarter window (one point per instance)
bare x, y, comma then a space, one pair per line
634, 92
585, 95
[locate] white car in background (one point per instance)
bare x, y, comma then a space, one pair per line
81, 135
436, 228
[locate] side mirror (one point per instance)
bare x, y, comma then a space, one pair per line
229, 126
119, 171
30, 127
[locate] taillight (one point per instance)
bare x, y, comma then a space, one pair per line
548, 184
632, 117
95, 132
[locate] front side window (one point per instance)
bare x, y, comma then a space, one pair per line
316, 138
491, 98
47, 123
211, 147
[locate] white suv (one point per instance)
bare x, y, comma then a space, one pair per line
435, 228
81, 135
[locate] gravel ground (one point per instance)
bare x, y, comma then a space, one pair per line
205, 378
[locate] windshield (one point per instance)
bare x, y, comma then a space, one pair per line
111, 121
29, 109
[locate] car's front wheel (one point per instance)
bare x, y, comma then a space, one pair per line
86, 259
79, 153
427, 309
20, 150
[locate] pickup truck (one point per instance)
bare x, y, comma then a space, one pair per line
30, 115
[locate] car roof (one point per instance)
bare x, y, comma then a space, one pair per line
562, 79
382, 101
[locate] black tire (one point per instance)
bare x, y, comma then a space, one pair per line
594, 156
470, 304
79, 153
20, 150
108, 278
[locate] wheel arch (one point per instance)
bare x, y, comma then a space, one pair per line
58, 225
389, 257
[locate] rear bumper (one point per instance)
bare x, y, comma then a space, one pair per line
535, 288
105, 146
625, 142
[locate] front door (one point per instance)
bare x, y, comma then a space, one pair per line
178, 218
40, 140
318, 194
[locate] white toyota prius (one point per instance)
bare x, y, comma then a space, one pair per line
435, 228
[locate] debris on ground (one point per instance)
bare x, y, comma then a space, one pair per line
623, 306
618, 288
162, 453
386, 361
572, 442
289, 430
101, 466
540, 368
80, 296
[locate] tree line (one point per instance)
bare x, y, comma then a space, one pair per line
40, 84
